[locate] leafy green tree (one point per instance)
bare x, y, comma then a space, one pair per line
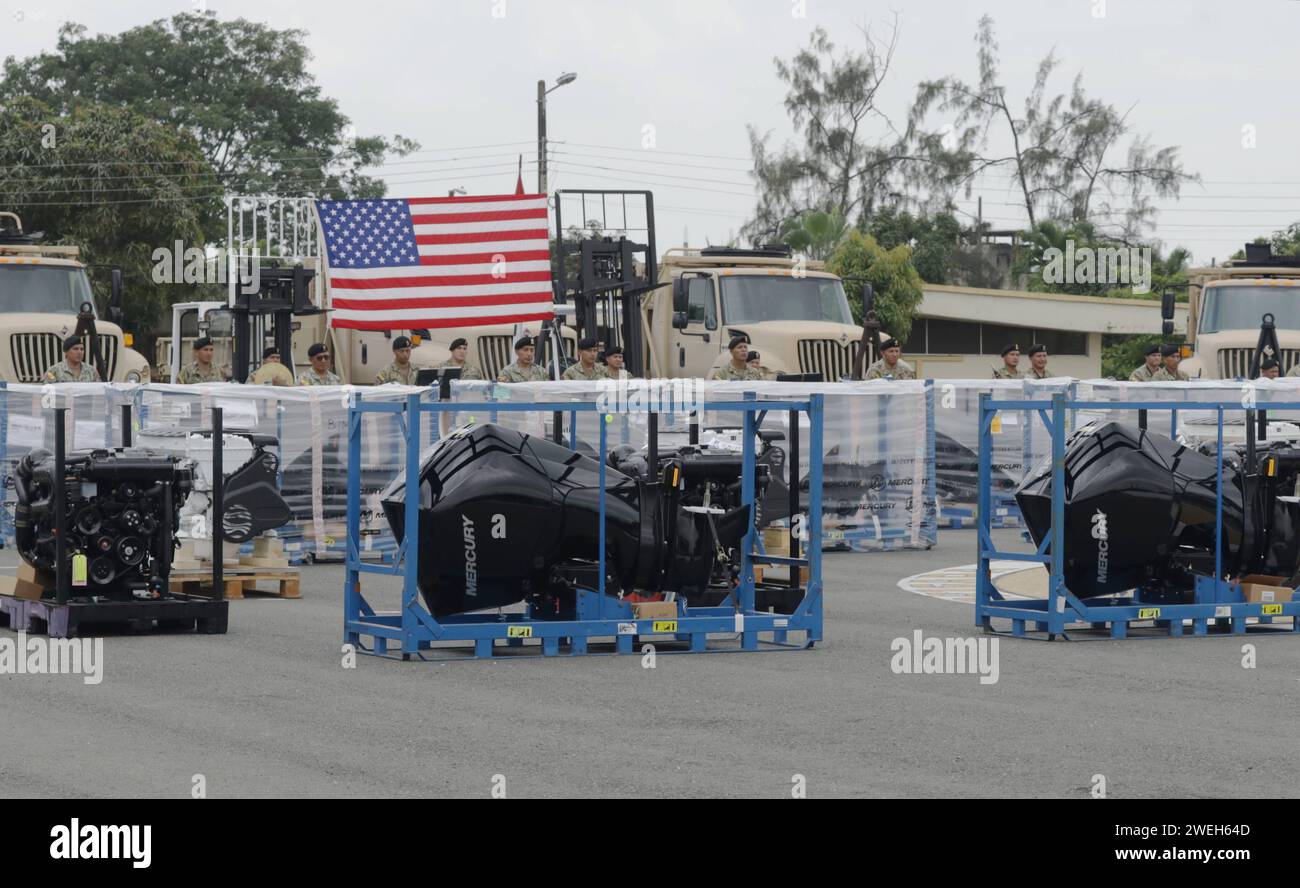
814, 233
111, 182
897, 286
935, 240
241, 88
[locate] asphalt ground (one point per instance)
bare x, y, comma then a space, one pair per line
268, 711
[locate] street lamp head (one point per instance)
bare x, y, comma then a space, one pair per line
566, 77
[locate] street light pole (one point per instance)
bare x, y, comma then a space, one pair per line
541, 137
542, 92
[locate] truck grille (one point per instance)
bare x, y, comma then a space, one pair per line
828, 357
34, 353
1234, 362
498, 352
494, 353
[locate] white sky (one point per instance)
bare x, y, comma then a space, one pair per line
454, 73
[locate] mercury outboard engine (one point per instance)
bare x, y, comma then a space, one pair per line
121, 506
508, 517
1140, 512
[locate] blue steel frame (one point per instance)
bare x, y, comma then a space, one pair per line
414, 630
1216, 599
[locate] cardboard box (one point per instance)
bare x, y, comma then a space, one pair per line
1259, 589
776, 541
29, 583
655, 610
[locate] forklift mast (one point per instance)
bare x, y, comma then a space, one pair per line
597, 266
283, 294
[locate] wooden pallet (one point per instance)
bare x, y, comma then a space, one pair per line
239, 582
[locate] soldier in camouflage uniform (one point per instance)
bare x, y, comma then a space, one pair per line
400, 371
755, 362
523, 369
1148, 370
320, 373
891, 365
457, 361
1010, 368
586, 367
1171, 357
737, 369
201, 369
1269, 368
1038, 363
611, 360
72, 368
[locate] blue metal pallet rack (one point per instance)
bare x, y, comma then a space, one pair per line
416, 633
1061, 613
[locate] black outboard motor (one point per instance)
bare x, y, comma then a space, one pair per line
507, 517
1140, 514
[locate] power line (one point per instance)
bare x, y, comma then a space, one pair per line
656, 150
661, 184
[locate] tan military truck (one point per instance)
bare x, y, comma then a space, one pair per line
794, 312
42, 290
1226, 306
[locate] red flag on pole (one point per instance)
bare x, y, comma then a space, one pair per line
519, 185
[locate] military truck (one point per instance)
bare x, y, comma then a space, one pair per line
1227, 305
43, 290
675, 314
795, 313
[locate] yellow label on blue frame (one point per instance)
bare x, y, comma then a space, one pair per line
1271, 610
665, 625
519, 632
79, 569
1148, 613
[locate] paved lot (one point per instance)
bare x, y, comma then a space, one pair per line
267, 710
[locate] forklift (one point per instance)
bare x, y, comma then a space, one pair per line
264, 317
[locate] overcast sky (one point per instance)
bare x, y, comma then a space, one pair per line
454, 74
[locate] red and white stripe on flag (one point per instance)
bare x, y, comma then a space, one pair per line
437, 261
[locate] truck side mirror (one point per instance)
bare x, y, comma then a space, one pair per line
680, 299
115, 296
1167, 311
680, 320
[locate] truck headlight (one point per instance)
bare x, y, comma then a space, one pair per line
133, 376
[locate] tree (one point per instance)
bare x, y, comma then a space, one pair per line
897, 286
1045, 238
814, 233
111, 182
241, 88
831, 100
1057, 151
934, 239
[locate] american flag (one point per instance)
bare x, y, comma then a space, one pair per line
437, 261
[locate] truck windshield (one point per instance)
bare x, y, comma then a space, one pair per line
51, 289
754, 298
1242, 308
